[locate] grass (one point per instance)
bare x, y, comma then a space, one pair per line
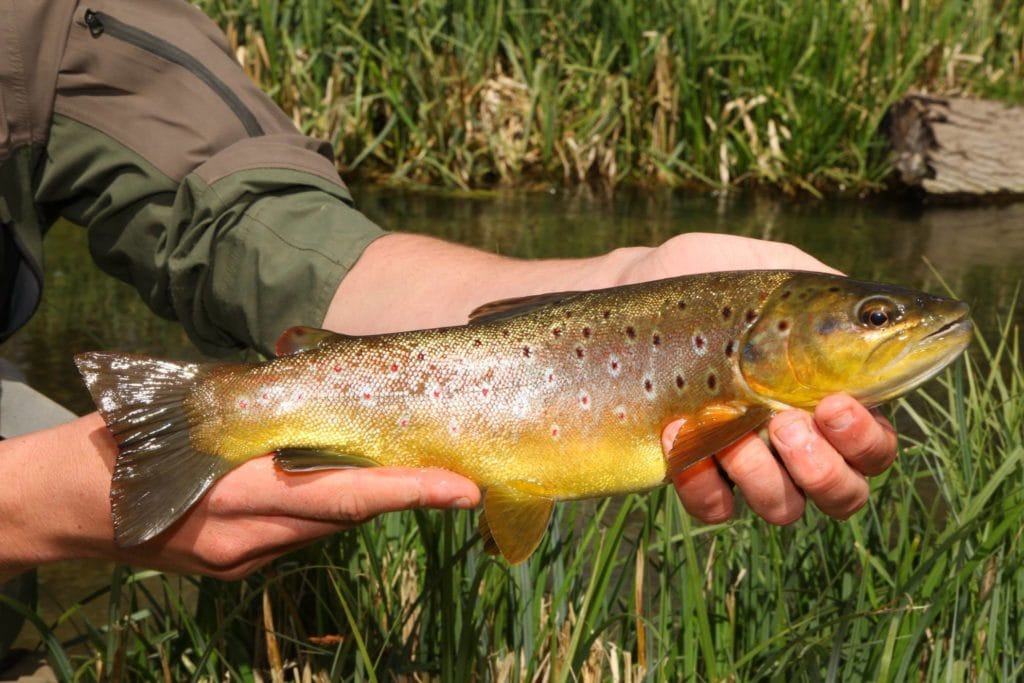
716, 94
925, 583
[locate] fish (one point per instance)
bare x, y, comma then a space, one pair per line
538, 399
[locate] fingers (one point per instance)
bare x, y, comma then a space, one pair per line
865, 439
346, 496
704, 493
767, 487
816, 466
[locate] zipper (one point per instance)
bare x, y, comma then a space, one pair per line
100, 23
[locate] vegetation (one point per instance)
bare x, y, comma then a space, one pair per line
480, 93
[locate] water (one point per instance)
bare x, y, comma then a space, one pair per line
977, 251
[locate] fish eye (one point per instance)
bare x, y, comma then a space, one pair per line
876, 313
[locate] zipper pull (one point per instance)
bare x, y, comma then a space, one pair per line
95, 23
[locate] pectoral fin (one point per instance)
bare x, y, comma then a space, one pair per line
514, 521
712, 428
309, 459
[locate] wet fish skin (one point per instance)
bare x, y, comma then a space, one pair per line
542, 399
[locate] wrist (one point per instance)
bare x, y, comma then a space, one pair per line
60, 508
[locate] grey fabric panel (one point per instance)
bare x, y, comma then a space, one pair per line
31, 44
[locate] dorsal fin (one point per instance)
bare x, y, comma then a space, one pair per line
509, 308
303, 338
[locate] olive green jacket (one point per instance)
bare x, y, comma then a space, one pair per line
133, 119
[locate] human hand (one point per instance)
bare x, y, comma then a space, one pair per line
825, 457
252, 515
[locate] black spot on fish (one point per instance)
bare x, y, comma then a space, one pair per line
785, 294
557, 331
586, 332
680, 382
655, 340
579, 352
682, 305
751, 315
648, 385
420, 356
698, 342
630, 332
712, 381
477, 342
568, 314
726, 313
607, 314
730, 348
827, 325
526, 351
504, 333
783, 325
833, 288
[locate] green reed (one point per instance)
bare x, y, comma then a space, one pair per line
716, 94
925, 583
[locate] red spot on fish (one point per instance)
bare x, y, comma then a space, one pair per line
551, 376
337, 368
557, 331
243, 404
300, 396
620, 413
265, 397
394, 367
584, 399
615, 365
420, 356
404, 423
554, 431
484, 391
367, 395
437, 393
698, 342
726, 313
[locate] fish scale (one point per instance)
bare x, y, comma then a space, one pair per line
556, 397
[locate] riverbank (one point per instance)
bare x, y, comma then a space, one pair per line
707, 94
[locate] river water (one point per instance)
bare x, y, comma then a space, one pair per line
977, 251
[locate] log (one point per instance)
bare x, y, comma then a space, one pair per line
955, 146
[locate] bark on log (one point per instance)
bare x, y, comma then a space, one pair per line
956, 146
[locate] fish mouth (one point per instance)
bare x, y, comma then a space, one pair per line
928, 357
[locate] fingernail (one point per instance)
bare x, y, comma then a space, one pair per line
794, 435
462, 503
840, 422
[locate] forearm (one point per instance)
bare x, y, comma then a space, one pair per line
57, 505
405, 281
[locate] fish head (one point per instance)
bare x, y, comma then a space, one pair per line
820, 334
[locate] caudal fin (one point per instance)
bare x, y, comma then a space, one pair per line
158, 475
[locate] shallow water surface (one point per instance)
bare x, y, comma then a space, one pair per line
977, 251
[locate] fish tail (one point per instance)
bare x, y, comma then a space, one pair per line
158, 474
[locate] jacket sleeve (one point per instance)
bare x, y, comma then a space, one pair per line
194, 187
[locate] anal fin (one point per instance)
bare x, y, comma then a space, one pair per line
710, 429
514, 521
310, 459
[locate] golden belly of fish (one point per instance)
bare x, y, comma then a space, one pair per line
548, 398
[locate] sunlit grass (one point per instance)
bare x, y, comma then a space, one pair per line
926, 583
476, 93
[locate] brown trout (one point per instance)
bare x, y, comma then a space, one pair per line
554, 397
